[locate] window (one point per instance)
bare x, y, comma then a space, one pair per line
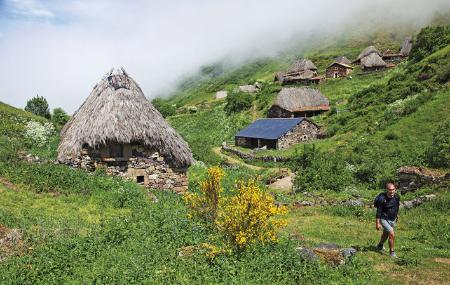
140, 179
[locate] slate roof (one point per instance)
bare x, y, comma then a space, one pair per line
270, 129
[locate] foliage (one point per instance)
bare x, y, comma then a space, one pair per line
249, 217
322, 171
438, 153
59, 117
38, 105
166, 109
38, 133
237, 102
244, 218
206, 204
429, 40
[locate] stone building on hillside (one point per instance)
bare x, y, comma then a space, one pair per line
277, 133
118, 129
339, 68
367, 51
298, 102
373, 62
302, 71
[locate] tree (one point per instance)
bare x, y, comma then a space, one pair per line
163, 107
38, 105
59, 117
238, 102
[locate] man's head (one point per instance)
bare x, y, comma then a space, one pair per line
390, 189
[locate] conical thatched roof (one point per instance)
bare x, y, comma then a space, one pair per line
373, 60
302, 65
406, 46
342, 59
296, 99
117, 111
368, 50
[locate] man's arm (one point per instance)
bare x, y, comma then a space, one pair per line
378, 218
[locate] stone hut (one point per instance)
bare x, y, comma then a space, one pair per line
373, 62
367, 51
277, 133
302, 71
118, 129
298, 102
339, 68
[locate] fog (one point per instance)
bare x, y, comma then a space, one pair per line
61, 49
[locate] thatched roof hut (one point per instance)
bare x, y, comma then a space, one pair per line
117, 111
298, 102
343, 60
406, 47
367, 51
302, 65
372, 61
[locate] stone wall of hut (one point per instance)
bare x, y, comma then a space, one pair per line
303, 132
336, 71
278, 112
133, 162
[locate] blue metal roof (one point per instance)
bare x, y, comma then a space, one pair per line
270, 129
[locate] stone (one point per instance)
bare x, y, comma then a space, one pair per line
348, 252
306, 253
354, 202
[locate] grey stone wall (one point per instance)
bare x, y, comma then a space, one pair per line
138, 163
305, 131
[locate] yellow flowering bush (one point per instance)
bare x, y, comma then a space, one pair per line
206, 203
250, 216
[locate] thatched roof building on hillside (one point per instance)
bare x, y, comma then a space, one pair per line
118, 128
406, 47
298, 102
373, 62
302, 71
367, 51
339, 68
277, 133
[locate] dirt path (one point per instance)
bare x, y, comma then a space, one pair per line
284, 184
233, 160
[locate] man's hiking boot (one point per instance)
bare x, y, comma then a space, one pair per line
393, 255
381, 247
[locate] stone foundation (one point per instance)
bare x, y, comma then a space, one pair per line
149, 168
412, 178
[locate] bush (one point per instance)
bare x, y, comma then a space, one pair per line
429, 40
322, 171
38, 105
164, 107
438, 153
60, 117
238, 102
38, 133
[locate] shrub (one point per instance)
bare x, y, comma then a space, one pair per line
164, 107
38, 133
59, 117
429, 40
245, 218
438, 153
38, 105
248, 217
205, 205
238, 102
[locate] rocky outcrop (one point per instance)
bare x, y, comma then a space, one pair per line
412, 178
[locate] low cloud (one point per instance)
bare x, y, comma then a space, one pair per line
61, 50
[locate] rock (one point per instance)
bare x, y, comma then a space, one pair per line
354, 202
417, 201
306, 253
348, 252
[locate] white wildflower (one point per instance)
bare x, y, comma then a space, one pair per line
39, 133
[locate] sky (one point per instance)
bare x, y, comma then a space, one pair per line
61, 49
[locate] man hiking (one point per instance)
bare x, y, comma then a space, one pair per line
387, 204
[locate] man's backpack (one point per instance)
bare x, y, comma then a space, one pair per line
379, 200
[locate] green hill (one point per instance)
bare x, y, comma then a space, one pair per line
62, 225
